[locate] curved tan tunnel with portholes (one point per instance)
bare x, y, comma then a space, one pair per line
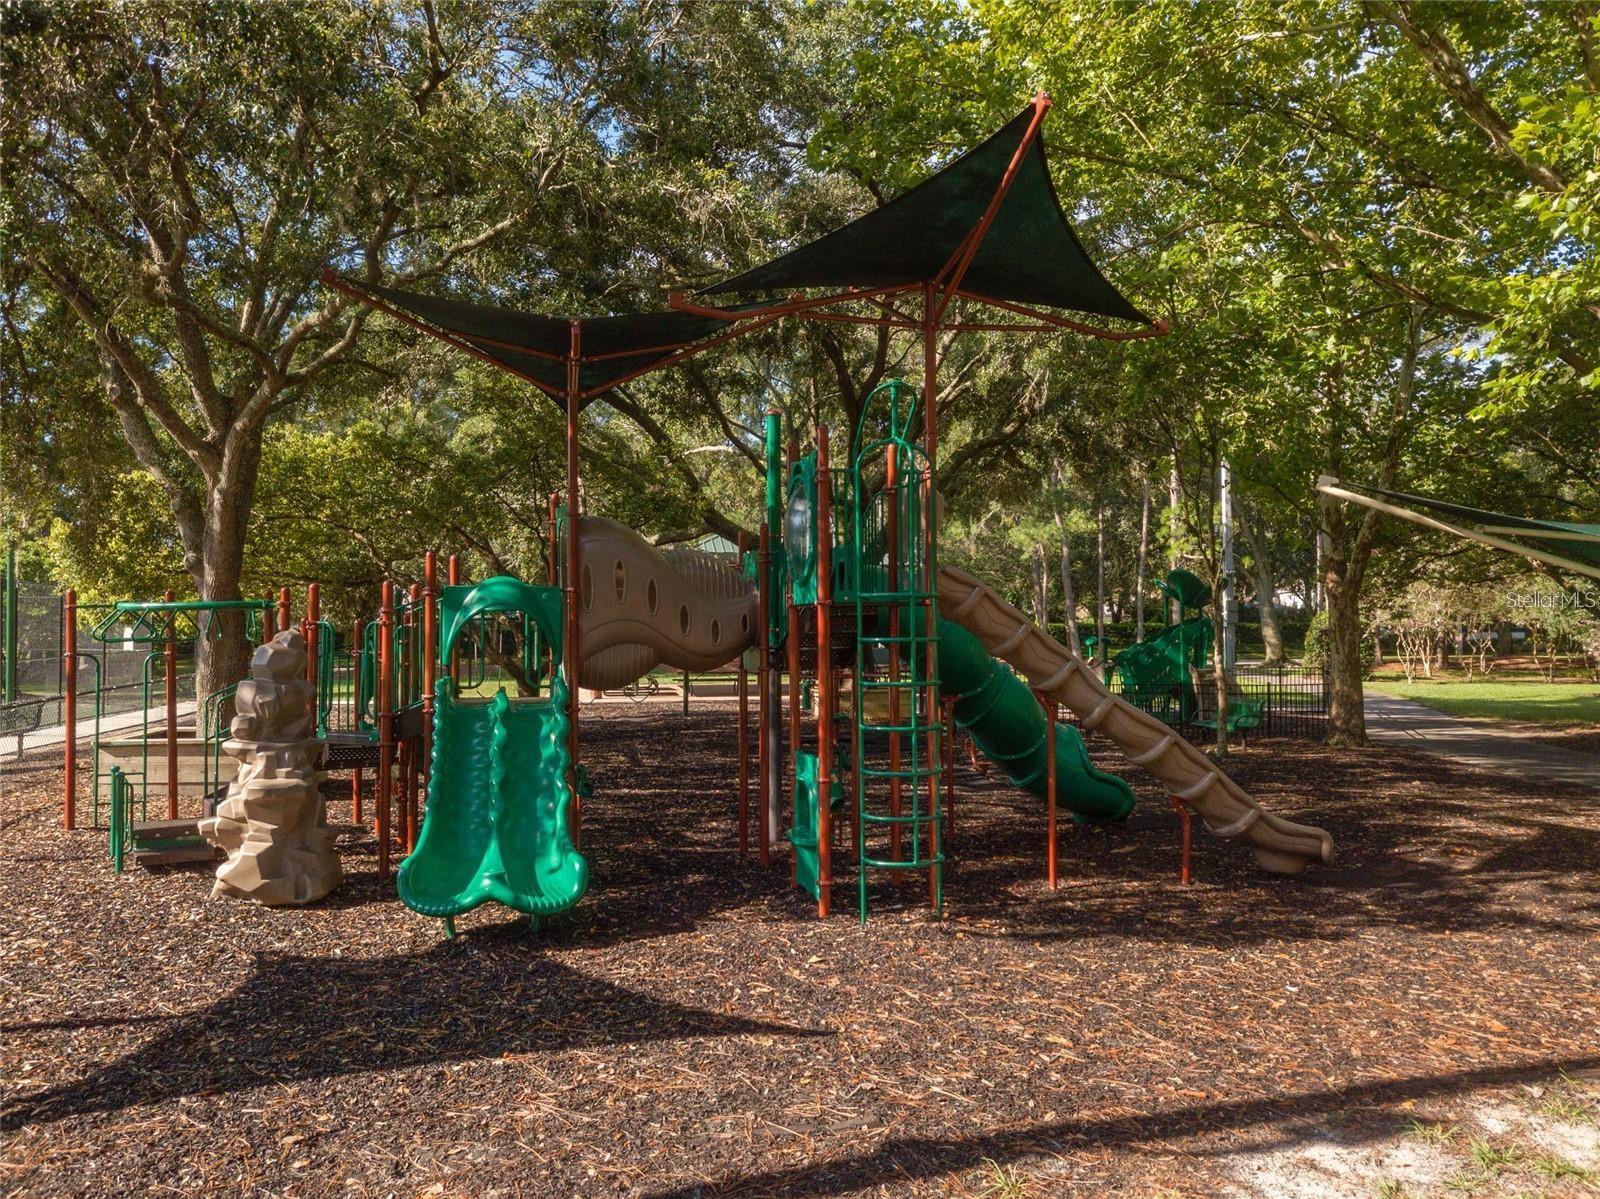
642, 607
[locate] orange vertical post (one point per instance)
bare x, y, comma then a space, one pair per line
570, 651
356, 715
430, 659
413, 767
763, 688
170, 655
312, 633
1187, 823
385, 699
283, 608
69, 705
1049, 706
453, 578
824, 677
269, 624
930, 447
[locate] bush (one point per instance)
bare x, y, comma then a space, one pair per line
1319, 651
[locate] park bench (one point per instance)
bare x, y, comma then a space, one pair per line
20, 718
1244, 713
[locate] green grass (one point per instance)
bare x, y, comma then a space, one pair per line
1532, 701
1003, 1182
1431, 1134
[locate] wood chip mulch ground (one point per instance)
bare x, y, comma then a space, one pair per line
690, 1029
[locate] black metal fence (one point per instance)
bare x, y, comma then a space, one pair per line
1293, 699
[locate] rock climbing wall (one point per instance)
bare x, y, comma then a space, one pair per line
272, 824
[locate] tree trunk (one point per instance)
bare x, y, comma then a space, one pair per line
1143, 567
222, 654
1069, 596
1100, 584
1041, 584
1219, 668
1266, 584
1347, 721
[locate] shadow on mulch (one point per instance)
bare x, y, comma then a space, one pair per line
1410, 850
297, 1018
909, 1159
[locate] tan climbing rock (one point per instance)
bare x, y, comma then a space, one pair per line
272, 824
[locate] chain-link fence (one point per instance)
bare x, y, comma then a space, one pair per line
126, 677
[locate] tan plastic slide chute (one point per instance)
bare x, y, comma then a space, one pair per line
1280, 845
643, 607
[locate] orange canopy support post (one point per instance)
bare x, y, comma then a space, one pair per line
69, 705
1049, 706
825, 679
385, 690
430, 657
283, 608
764, 716
570, 651
313, 619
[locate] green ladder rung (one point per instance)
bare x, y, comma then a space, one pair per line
904, 684
904, 772
913, 864
919, 819
895, 597
902, 639
902, 728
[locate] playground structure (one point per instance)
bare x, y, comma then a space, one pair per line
868, 655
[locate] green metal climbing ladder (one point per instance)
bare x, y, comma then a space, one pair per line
892, 577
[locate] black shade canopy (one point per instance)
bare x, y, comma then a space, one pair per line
1029, 255
611, 348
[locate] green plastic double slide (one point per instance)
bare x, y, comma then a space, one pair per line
1008, 726
498, 798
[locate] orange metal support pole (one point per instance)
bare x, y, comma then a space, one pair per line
570, 651
453, 578
1182, 809
385, 723
555, 553
269, 624
69, 705
948, 761
930, 445
794, 707
1049, 706
312, 632
744, 732
283, 608
430, 659
356, 714
824, 677
891, 491
415, 633
763, 689
171, 663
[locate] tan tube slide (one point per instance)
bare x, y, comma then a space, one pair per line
643, 607
1280, 845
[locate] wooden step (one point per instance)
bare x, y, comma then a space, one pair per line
172, 857
152, 829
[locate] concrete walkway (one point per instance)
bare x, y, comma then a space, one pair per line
56, 734
1485, 744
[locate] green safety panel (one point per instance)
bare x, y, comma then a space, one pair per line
803, 836
1008, 726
